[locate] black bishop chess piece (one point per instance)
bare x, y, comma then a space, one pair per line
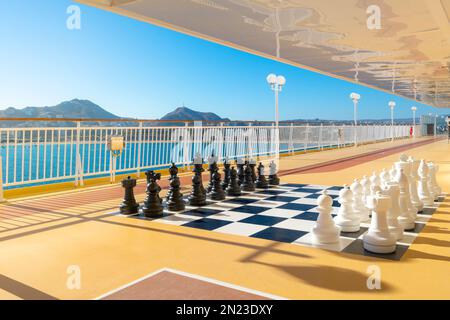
198, 193
252, 165
174, 200
152, 207
240, 171
261, 181
217, 192
226, 175
129, 204
247, 184
233, 187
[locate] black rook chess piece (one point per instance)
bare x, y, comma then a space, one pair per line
198, 193
247, 184
152, 204
217, 192
261, 181
226, 175
129, 204
233, 187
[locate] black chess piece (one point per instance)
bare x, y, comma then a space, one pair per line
129, 204
198, 193
226, 175
217, 192
174, 198
261, 181
240, 172
247, 184
233, 187
211, 168
153, 203
252, 168
173, 172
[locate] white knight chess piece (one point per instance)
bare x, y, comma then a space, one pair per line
325, 231
346, 218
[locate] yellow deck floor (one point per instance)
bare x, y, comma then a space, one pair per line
112, 251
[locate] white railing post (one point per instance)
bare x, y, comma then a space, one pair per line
291, 137
139, 151
2, 199
78, 163
320, 147
305, 144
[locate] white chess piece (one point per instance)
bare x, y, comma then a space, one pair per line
272, 168
379, 239
359, 206
413, 184
212, 159
365, 182
393, 191
346, 218
385, 177
406, 218
240, 161
424, 193
404, 167
375, 181
198, 158
325, 230
393, 172
432, 182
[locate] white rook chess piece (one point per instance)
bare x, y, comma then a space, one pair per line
325, 230
432, 182
424, 192
413, 184
359, 206
379, 239
346, 218
385, 177
404, 167
393, 191
407, 217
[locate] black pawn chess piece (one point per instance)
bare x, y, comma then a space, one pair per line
198, 193
212, 168
217, 192
233, 187
226, 175
240, 172
247, 184
129, 204
174, 198
261, 181
152, 204
252, 166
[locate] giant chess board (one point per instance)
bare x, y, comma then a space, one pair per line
285, 213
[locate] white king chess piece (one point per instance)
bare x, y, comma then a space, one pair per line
346, 218
379, 239
359, 206
432, 182
406, 218
413, 184
393, 191
424, 193
325, 230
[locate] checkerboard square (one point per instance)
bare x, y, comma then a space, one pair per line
305, 190
242, 229
206, 224
201, 212
241, 200
278, 234
281, 199
296, 224
297, 206
277, 212
251, 209
262, 220
230, 216
311, 216
356, 234
357, 247
272, 191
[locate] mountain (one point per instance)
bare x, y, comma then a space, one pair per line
183, 113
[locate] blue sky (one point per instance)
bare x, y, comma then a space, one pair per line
139, 70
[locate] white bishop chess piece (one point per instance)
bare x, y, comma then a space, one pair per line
325, 230
393, 191
359, 206
346, 218
407, 216
379, 239
413, 184
424, 192
432, 181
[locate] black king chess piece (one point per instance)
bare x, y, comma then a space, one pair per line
233, 187
129, 204
226, 175
240, 172
198, 193
247, 184
217, 192
153, 203
174, 198
261, 181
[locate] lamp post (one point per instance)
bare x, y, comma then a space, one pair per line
276, 84
355, 98
414, 109
392, 106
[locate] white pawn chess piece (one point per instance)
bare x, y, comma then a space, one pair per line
378, 238
325, 230
359, 206
432, 182
413, 184
424, 192
406, 218
240, 161
375, 181
365, 182
393, 173
385, 177
272, 168
393, 191
404, 167
346, 218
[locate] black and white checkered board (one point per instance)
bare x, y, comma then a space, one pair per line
285, 213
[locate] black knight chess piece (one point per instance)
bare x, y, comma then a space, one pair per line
247, 184
261, 181
129, 204
217, 192
233, 187
153, 203
174, 198
198, 193
226, 175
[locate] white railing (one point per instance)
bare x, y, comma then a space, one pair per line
55, 154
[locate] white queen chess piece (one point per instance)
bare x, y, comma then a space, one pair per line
393, 191
379, 239
346, 218
325, 230
413, 184
359, 206
406, 218
424, 192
